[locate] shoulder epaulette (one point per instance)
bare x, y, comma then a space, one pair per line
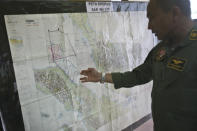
193, 35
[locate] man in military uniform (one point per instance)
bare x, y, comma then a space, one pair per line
172, 65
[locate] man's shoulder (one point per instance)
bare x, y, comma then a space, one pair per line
155, 49
193, 34
159, 45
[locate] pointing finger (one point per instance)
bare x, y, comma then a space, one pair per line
84, 79
83, 72
91, 69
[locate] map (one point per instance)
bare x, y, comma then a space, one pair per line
50, 50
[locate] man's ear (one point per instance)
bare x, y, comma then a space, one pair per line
176, 14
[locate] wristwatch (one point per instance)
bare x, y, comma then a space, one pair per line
102, 77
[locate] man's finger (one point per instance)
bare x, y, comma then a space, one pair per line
91, 69
84, 79
84, 72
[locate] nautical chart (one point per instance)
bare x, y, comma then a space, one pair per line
50, 50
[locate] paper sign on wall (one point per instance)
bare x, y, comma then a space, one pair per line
99, 6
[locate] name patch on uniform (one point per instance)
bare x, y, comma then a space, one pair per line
193, 35
177, 63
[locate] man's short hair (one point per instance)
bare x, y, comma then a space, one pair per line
184, 5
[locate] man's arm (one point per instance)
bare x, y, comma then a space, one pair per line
140, 75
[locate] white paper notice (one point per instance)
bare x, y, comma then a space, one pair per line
99, 6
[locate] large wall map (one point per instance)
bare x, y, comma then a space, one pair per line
50, 50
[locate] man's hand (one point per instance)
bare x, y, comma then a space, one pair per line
91, 75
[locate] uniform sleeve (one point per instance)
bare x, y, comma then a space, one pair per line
140, 75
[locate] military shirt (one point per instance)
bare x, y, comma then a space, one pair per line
174, 75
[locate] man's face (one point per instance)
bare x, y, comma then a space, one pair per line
160, 22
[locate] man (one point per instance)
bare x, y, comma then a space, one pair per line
172, 65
